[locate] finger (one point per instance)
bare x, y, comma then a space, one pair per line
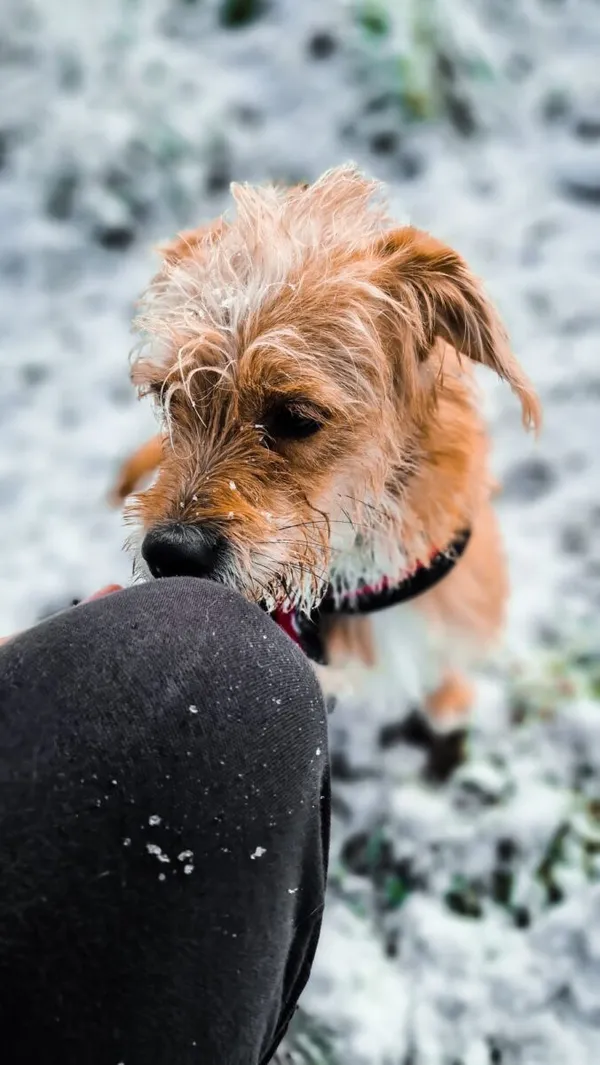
107, 590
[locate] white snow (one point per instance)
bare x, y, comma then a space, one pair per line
154, 849
122, 117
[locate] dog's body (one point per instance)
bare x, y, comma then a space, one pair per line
321, 431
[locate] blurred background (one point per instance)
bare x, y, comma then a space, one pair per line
463, 925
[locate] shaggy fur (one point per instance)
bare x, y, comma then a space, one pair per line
309, 305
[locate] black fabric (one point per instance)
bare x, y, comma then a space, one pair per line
164, 811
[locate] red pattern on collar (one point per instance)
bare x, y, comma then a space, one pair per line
287, 619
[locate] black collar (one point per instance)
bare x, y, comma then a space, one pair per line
306, 630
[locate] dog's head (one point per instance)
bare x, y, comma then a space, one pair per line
289, 352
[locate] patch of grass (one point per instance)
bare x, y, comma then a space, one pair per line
373, 18
463, 899
556, 678
416, 49
395, 891
307, 1043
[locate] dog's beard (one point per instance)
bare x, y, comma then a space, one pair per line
264, 577
300, 560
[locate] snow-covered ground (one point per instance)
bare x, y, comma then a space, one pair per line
463, 918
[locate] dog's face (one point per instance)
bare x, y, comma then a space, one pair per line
288, 352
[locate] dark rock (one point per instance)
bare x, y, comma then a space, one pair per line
218, 178
521, 917
343, 770
555, 894
496, 1055
579, 176
404, 871
548, 634
114, 237
354, 853
392, 944
579, 324
506, 849
34, 373
385, 142
519, 711
122, 395
464, 902
574, 540
219, 173
382, 102
247, 115
4, 144
322, 45
539, 302
588, 128
536, 238
13, 265
70, 72
529, 480
446, 67
483, 187
126, 186
60, 200
411, 165
587, 192
461, 114
502, 885
556, 107
519, 66
234, 14
367, 854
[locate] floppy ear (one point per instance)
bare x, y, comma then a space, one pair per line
435, 295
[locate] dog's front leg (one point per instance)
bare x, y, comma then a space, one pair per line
336, 682
349, 652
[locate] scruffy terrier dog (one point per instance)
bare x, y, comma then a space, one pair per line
322, 449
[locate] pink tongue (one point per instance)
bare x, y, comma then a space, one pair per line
103, 591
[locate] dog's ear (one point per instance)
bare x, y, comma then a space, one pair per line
434, 294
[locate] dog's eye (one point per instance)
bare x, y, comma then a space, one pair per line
291, 423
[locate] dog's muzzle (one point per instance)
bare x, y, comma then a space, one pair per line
180, 550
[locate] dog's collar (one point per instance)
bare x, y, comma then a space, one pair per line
304, 629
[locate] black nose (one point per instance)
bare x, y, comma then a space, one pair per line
179, 550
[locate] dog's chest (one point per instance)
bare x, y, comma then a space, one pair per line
394, 665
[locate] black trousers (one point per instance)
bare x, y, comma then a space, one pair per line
164, 818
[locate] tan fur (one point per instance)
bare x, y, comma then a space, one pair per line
310, 300
137, 468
